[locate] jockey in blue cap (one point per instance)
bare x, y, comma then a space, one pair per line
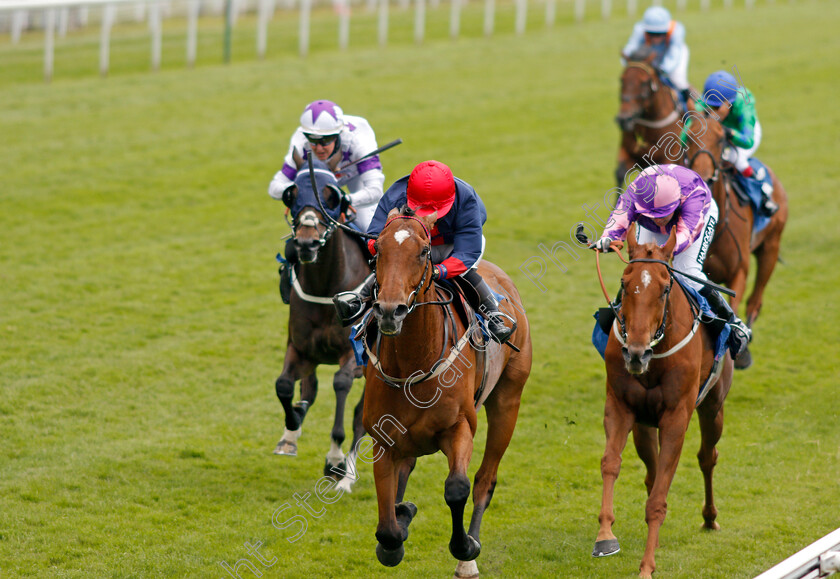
735, 106
337, 140
666, 38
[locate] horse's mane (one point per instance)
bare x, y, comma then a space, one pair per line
406, 210
641, 54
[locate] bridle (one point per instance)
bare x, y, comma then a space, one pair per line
652, 86
660, 332
308, 219
427, 252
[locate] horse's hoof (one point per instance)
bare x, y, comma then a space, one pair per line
713, 526
333, 470
466, 570
406, 509
470, 552
744, 360
286, 448
389, 558
606, 548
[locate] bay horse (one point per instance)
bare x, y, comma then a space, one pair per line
648, 116
330, 262
728, 260
425, 383
657, 357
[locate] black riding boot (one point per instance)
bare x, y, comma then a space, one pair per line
350, 306
741, 335
285, 269
486, 303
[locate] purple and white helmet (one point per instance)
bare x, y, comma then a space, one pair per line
655, 193
322, 118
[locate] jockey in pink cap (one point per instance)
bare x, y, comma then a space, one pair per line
663, 197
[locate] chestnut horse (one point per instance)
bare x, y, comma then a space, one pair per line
330, 262
657, 357
648, 117
425, 385
728, 260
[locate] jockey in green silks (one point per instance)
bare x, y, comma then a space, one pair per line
735, 107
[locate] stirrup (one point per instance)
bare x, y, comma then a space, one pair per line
348, 306
500, 336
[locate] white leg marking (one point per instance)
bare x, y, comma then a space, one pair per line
335, 456
291, 435
346, 483
466, 570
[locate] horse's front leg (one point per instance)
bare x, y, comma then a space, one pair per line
457, 445
349, 466
342, 382
618, 420
672, 427
392, 530
294, 367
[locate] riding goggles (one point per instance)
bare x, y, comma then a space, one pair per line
320, 139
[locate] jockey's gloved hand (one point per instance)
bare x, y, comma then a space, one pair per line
602, 245
728, 132
436, 273
345, 202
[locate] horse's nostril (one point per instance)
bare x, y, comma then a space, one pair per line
377, 310
401, 311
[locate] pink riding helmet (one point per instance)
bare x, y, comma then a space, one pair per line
655, 194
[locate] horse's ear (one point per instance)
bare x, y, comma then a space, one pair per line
393, 213
297, 158
429, 220
669, 246
631, 240
331, 197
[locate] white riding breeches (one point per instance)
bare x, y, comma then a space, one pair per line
691, 259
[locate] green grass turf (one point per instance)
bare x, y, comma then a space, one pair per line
142, 330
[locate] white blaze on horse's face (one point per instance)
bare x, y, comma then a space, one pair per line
645, 278
402, 235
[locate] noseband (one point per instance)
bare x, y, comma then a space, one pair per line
308, 219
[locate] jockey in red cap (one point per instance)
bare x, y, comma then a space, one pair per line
457, 240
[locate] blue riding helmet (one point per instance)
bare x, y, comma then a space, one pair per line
306, 197
720, 86
656, 20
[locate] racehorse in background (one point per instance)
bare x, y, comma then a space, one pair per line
330, 262
660, 363
429, 373
649, 112
728, 259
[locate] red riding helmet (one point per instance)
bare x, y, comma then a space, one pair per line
431, 188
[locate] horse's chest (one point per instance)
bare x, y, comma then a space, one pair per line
321, 344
